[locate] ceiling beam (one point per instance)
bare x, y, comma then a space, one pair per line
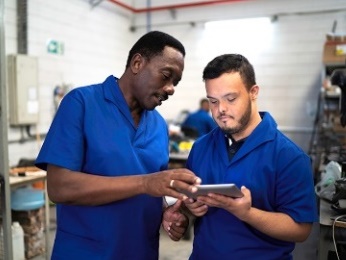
170, 7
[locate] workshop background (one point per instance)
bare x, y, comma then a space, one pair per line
54, 46
81, 42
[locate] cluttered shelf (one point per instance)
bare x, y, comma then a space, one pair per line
328, 215
329, 135
331, 191
328, 150
30, 207
332, 237
25, 175
328, 142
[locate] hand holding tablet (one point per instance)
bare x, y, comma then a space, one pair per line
228, 189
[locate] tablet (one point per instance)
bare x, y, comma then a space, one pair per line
228, 189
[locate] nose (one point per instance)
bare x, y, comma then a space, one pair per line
222, 107
169, 89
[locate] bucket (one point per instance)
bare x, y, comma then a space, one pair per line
27, 198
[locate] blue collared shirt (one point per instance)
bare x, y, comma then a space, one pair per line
93, 132
280, 178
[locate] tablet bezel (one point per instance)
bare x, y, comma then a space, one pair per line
229, 189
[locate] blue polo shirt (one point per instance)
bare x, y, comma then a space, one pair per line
93, 132
201, 121
280, 178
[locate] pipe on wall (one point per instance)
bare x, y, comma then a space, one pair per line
148, 17
168, 7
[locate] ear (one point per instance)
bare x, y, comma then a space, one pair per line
136, 63
254, 92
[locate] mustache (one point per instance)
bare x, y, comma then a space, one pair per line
163, 96
224, 115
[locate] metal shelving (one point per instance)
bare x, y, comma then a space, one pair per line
328, 141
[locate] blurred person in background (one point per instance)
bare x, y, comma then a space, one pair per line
199, 121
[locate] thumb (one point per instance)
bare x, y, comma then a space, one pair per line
245, 190
177, 205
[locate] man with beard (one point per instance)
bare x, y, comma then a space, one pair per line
275, 175
106, 156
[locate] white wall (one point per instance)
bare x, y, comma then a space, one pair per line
97, 41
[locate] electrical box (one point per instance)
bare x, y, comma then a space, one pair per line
22, 89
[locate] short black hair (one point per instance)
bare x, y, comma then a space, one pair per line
203, 100
152, 44
227, 63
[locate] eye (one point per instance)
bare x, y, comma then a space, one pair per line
230, 100
169, 77
212, 101
166, 76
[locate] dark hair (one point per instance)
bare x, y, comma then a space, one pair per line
152, 44
227, 63
203, 100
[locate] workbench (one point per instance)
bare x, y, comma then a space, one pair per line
326, 229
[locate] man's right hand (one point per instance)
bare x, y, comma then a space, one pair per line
166, 183
197, 208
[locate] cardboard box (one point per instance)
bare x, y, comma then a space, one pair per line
334, 52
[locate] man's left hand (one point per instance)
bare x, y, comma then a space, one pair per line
174, 222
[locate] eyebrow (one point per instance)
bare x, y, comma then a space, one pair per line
224, 96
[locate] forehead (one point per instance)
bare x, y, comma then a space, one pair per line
225, 83
170, 59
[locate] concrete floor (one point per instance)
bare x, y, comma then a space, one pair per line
171, 250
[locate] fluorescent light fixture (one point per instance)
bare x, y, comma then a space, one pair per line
246, 36
244, 24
